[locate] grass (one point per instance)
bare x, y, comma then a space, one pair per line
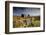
21, 22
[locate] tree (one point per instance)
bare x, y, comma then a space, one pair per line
22, 15
28, 15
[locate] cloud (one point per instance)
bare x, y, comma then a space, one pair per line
17, 11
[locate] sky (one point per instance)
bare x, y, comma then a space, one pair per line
17, 11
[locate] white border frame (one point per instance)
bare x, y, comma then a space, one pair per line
11, 29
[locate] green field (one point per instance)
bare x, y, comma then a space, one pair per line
23, 22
